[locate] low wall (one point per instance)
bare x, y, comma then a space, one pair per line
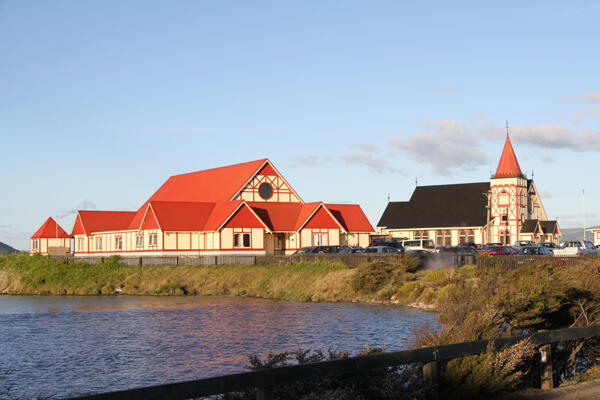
352, 260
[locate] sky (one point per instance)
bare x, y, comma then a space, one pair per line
102, 101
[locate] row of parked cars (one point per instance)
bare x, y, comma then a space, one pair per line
424, 247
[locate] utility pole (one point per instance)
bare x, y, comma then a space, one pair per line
583, 209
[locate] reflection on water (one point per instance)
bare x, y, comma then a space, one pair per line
66, 345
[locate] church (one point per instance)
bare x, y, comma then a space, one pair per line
505, 209
246, 208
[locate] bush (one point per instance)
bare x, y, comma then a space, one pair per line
373, 276
388, 383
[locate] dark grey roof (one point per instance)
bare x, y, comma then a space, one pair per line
439, 206
529, 226
548, 226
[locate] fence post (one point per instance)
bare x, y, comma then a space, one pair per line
264, 393
431, 374
546, 378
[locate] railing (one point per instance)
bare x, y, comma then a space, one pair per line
264, 380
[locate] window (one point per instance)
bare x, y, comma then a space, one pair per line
80, 244
504, 218
98, 244
417, 234
447, 238
470, 236
439, 238
139, 240
241, 240
319, 239
507, 238
118, 243
462, 238
425, 235
152, 239
34, 244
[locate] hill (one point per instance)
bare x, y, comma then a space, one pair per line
4, 248
576, 234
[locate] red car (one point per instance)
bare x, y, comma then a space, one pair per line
498, 250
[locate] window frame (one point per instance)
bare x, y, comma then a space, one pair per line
239, 240
118, 243
152, 240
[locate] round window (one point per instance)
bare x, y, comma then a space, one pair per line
265, 191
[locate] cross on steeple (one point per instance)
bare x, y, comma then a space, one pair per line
506, 128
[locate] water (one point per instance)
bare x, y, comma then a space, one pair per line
73, 345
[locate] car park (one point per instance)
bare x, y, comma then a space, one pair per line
458, 250
524, 243
390, 243
576, 248
352, 249
320, 250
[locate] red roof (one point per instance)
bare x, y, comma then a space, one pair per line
351, 216
102, 221
181, 216
50, 230
508, 167
211, 185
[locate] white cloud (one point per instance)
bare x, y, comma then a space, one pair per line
547, 158
365, 147
375, 163
584, 114
307, 161
447, 146
593, 97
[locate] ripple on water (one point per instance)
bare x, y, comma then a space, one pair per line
66, 345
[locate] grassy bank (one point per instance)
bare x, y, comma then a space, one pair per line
399, 283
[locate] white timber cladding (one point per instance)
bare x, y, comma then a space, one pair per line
282, 192
453, 233
596, 233
41, 245
258, 238
508, 209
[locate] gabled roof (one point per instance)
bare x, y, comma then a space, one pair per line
279, 217
439, 206
531, 226
102, 221
549, 227
508, 167
51, 230
209, 186
351, 216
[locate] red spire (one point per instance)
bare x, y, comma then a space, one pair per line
508, 167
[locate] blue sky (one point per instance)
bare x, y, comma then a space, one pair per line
101, 101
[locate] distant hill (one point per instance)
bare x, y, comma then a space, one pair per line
4, 248
576, 234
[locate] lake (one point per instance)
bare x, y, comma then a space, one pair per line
63, 346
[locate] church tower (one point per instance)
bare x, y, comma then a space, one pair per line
508, 198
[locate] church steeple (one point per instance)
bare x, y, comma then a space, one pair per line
508, 167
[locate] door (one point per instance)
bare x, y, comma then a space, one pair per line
279, 243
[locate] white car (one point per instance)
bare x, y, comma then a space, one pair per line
419, 244
576, 248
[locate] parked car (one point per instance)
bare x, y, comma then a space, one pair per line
381, 249
320, 249
419, 244
498, 250
390, 243
576, 248
352, 249
524, 243
550, 245
534, 251
459, 250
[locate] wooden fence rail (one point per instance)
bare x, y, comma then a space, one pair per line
267, 378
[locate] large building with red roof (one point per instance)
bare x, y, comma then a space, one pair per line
50, 239
246, 208
505, 209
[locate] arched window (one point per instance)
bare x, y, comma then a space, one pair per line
447, 238
507, 238
439, 238
417, 234
462, 238
470, 236
425, 235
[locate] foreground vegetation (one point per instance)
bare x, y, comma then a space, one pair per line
473, 303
